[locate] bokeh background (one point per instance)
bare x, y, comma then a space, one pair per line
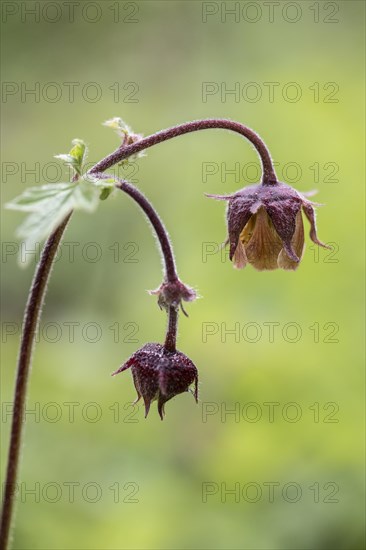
95, 474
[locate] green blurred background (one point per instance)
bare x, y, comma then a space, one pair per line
102, 476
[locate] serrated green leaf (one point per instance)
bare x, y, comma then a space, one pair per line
34, 198
42, 222
118, 125
48, 205
65, 157
78, 151
85, 196
76, 157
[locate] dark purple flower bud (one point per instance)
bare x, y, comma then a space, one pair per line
173, 293
159, 375
265, 226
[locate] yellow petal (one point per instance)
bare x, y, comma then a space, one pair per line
261, 241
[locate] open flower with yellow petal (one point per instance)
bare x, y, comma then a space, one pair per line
265, 226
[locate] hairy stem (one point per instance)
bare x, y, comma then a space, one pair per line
39, 285
31, 318
171, 333
125, 151
166, 249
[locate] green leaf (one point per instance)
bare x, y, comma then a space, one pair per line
108, 181
76, 157
43, 221
78, 152
126, 134
118, 125
105, 185
48, 205
33, 199
105, 192
85, 196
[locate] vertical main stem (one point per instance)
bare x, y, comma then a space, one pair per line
32, 313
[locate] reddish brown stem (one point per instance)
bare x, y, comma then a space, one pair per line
125, 151
166, 249
171, 333
31, 317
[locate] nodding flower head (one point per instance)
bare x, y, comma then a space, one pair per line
172, 293
159, 375
265, 226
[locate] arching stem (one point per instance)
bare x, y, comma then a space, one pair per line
125, 151
166, 250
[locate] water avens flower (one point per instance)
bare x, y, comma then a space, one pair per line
159, 374
265, 226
